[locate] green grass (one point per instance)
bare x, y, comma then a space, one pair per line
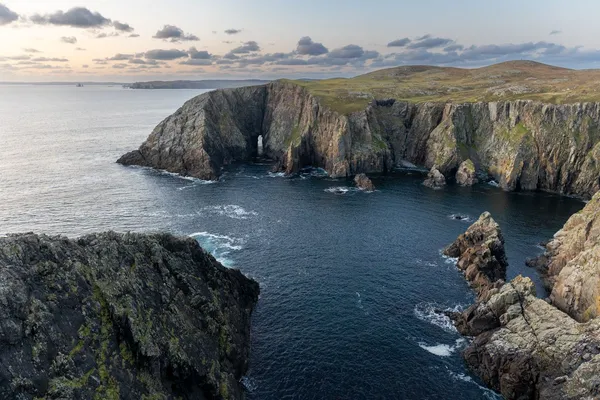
515, 80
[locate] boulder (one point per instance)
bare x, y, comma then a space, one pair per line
364, 183
126, 316
466, 174
435, 179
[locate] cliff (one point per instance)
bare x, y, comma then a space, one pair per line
521, 144
111, 316
529, 348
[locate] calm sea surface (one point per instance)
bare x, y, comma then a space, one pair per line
349, 281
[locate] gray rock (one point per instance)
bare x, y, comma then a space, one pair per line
120, 316
520, 144
466, 174
364, 183
435, 179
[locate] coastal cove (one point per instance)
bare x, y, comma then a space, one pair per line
349, 280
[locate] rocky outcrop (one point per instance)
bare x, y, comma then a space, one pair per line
525, 347
571, 264
466, 174
521, 144
115, 316
435, 179
364, 183
481, 256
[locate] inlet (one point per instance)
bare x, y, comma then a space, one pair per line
259, 146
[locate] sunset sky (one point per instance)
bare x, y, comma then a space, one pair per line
132, 40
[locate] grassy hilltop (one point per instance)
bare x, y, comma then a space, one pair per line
505, 81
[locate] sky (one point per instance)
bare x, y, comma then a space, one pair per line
135, 40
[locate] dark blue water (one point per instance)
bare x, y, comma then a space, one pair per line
349, 281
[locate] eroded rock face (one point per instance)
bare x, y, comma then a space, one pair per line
120, 316
435, 179
571, 265
525, 347
522, 144
466, 174
481, 255
364, 183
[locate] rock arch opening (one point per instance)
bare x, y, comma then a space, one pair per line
259, 146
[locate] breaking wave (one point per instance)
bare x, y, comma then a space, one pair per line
230, 211
435, 314
220, 246
443, 350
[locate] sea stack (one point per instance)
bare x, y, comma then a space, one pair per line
525, 347
364, 183
435, 179
466, 174
121, 316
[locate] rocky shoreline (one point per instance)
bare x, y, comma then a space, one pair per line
121, 316
525, 347
522, 145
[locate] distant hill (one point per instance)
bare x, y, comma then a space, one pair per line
511, 80
203, 84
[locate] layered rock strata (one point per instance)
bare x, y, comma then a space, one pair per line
520, 144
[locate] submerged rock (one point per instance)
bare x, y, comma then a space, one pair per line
435, 179
120, 316
364, 183
466, 174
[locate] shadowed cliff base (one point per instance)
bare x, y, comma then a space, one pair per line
521, 144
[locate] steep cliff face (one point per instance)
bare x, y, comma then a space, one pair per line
571, 264
111, 316
524, 347
521, 144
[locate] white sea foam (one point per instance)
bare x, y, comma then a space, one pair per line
230, 211
277, 174
460, 217
249, 384
435, 314
487, 393
443, 350
426, 263
220, 246
493, 183
341, 189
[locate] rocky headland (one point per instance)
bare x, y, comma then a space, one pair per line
120, 316
526, 347
521, 144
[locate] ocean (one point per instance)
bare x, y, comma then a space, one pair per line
350, 281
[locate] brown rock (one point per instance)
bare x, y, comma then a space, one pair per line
364, 183
466, 174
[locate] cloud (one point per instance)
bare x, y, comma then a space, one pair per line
555, 32
427, 36
80, 49
232, 31
68, 39
85, 66
122, 27
158, 54
120, 66
105, 35
428, 42
46, 59
78, 17
7, 16
306, 46
134, 35
29, 50
199, 55
399, 42
350, 51
174, 34
196, 61
139, 61
120, 57
246, 48
454, 47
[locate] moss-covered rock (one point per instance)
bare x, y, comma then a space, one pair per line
466, 174
113, 316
